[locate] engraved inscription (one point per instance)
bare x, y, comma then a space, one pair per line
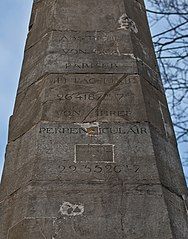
87, 79
92, 43
89, 65
101, 130
91, 96
108, 167
91, 36
100, 97
91, 52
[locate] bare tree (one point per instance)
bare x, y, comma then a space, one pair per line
169, 22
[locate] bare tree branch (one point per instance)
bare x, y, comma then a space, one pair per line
171, 45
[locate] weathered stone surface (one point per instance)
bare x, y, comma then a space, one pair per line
92, 152
82, 213
20, 158
4, 219
156, 101
31, 228
168, 164
177, 207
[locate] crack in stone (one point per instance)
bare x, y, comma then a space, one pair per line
105, 94
42, 233
46, 33
24, 96
185, 203
121, 203
22, 88
31, 46
181, 196
25, 218
172, 191
56, 227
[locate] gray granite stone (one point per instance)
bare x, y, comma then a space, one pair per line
91, 151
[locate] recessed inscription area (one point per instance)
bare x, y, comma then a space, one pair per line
85, 43
91, 144
72, 52
94, 153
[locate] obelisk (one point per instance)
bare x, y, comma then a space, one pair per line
91, 151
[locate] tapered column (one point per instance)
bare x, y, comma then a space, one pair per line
91, 151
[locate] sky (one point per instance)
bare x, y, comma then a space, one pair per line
14, 20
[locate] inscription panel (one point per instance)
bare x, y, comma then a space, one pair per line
84, 52
94, 48
82, 98
79, 52
90, 43
56, 63
72, 152
79, 98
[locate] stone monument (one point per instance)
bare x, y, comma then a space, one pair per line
91, 151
